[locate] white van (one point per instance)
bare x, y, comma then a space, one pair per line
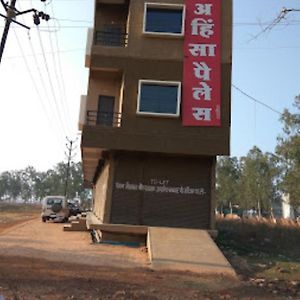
55, 208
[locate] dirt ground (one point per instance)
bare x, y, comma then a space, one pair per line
40, 261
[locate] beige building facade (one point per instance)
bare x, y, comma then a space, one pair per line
143, 165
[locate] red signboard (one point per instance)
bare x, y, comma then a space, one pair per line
201, 104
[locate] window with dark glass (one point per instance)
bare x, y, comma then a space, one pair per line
159, 98
163, 20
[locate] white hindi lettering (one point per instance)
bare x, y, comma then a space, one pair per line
204, 91
218, 112
202, 27
201, 70
203, 9
202, 114
203, 49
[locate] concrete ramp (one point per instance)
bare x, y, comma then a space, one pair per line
186, 250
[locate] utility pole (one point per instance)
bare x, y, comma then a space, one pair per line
70, 148
11, 14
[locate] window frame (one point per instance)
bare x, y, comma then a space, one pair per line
161, 83
167, 6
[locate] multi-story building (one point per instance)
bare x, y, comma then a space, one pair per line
150, 137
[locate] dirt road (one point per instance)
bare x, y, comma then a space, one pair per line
48, 241
40, 261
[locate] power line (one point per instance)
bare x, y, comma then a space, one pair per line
31, 77
267, 48
41, 78
281, 16
6, 57
47, 53
73, 20
35, 84
60, 70
60, 82
50, 83
59, 0
57, 28
296, 22
11, 13
256, 100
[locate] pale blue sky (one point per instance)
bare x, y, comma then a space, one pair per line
31, 130
267, 68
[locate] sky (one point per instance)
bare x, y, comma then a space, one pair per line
42, 76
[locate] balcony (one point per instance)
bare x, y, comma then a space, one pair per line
113, 37
106, 119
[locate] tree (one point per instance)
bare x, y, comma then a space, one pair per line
28, 184
288, 149
228, 177
15, 185
28, 181
258, 179
4, 185
75, 187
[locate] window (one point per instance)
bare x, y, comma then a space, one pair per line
159, 98
51, 201
166, 19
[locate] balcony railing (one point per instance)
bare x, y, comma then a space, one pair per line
111, 38
109, 119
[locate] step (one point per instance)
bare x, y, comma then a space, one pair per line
74, 227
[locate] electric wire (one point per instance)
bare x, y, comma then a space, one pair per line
51, 83
60, 65
60, 82
86, 27
72, 20
47, 52
256, 100
59, 0
281, 16
44, 108
41, 77
32, 78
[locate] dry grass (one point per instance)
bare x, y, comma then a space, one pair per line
268, 249
19, 208
13, 214
253, 235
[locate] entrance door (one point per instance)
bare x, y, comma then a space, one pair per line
105, 115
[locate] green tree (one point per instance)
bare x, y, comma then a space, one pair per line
40, 188
259, 179
228, 178
13, 185
4, 185
75, 186
288, 149
28, 181
28, 184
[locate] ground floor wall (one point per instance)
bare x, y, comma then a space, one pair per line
154, 190
101, 193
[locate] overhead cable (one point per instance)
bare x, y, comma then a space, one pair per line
256, 100
51, 84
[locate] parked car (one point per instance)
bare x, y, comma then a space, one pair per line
74, 208
55, 208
